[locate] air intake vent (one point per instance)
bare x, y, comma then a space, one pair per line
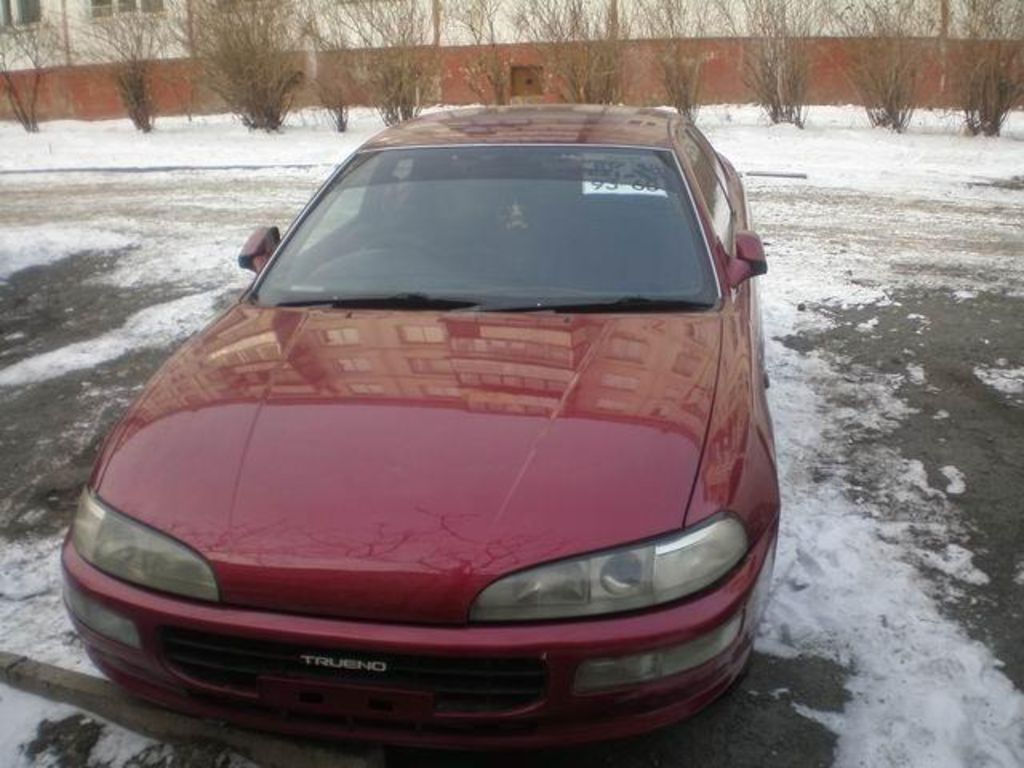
457, 684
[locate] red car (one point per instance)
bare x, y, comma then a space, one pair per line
481, 459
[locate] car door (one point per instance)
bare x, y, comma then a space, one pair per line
725, 198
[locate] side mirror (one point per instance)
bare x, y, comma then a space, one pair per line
259, 248
749, 261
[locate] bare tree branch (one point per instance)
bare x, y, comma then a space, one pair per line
249, 51
676, 26
487, 70
581, 44
37, 47
131, 40
391, 57
990, 70
885, 56
777, 61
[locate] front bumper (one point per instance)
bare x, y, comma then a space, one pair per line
310, 707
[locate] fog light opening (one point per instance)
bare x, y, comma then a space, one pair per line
100, 619
602, 674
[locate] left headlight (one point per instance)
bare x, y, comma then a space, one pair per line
134, 552
620, 580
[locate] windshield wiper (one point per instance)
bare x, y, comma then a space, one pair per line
622, 304
408, 300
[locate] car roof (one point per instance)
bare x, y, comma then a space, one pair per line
536, 124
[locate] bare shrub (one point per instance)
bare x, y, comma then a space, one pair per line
334, 87
582, 46
248, 49
678, 57
131, 40
35, 47
334, 81
885, 57
487, 70
777, 62
990, 73
396, 66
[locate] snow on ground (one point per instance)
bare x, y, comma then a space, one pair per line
850, 583
957, 562
84, 740
155, 326
916, 375
1007, 381
923, 693
21, 713
32, 617
25, 247
956, 482
931, 159
204, 141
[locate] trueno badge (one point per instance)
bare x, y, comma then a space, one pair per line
358, 665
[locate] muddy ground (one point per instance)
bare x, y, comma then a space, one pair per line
957, 420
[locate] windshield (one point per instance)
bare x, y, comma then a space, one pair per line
499, 227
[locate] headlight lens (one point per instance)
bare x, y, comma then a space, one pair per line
600, 674
134, 552
100, 619
622, 580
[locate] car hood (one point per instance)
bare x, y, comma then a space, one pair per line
389, 465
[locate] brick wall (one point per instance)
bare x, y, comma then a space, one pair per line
88, 92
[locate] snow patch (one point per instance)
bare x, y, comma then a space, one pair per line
22, 713
916, 375
116, 746
957, 562
922, 692
956, 484
24, 247
916, 477
154, 326
846, 584
203, 141
33, 620
1007, 381
833, 721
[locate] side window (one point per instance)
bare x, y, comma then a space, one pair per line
711, 184
29, 11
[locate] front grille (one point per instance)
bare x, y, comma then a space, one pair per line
457, 684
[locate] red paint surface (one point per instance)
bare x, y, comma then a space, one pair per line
356, 478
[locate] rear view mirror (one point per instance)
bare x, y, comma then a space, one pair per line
749, 260
259, 248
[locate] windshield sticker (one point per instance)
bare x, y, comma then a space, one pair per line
614, 188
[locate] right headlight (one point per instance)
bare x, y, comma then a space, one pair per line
135, 552
626, 579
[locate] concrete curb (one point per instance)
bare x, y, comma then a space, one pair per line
103, 699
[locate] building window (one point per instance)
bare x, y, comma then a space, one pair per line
28, 12
105, 8
526, 81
